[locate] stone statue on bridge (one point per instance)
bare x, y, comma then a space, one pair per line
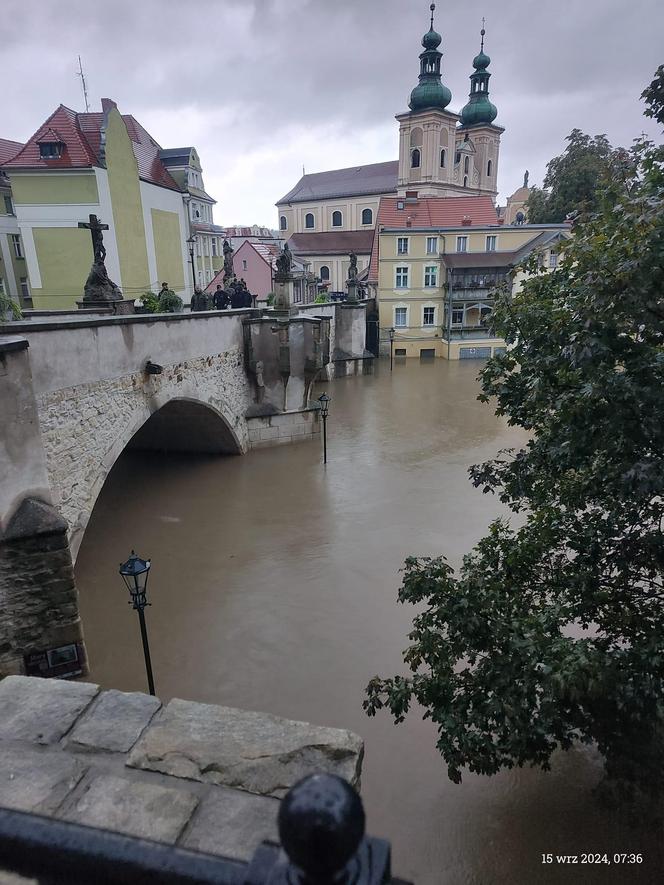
98, 286
284, 263
229, 273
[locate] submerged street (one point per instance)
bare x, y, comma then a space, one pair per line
273, 587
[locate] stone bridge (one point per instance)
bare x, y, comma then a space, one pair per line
75, 392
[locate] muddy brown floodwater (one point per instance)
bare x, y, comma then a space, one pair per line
274, 586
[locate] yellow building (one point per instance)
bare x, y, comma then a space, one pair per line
436, 263
104, 164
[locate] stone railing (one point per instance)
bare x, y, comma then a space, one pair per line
195, 776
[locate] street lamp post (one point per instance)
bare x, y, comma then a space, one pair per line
324, 401
135, 573
391, 347
192, 242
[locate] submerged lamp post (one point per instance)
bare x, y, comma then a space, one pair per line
324, 401
391, 347
192, 242
135, 573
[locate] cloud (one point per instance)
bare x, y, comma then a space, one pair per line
261, 87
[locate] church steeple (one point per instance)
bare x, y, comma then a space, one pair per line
479, 109
430, 91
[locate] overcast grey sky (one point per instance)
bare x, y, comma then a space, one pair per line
263, 87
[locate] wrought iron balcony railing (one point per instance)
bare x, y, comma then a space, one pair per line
321, 828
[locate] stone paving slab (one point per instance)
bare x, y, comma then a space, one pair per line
232, 823
115, 721
35, 781
41, 710
140, 809
256, 752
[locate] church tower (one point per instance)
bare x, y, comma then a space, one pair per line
478, 138
437, 156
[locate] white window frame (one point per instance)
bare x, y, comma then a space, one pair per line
397, 274
427, 273
285, 222
341, 216
395, 323
462, 240
553, 260
458, 310
18, 246
494, 246
2, 286
244, 264
403, 240
425, 308
214, 247
366, 209
313, 226
433, 240
24, 286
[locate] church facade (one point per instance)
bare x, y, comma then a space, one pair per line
442, 154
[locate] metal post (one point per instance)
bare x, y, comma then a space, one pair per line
324, 439
391, 352
193, 272
146, 649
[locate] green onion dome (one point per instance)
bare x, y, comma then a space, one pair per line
479, 109
429, 94
431, 39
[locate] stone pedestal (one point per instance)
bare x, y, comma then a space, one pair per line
117, 308
352, 292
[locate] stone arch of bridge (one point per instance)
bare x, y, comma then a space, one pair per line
184, 422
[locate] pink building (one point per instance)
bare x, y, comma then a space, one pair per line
256, 264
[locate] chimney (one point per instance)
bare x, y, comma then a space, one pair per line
501, 221
107, 104
409, 222
466, 220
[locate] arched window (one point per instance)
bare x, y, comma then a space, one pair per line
457, 158
337, 220
443, 156
367, 216
489, 167
466, 164
415, 159
324, 273
309, 219
465, 181
283, 223
416, 137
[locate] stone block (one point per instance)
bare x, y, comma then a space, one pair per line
36, 781
115, 721
146, 810
41, 710
269, 433
232, 823
281, 420
256, 752
254, 435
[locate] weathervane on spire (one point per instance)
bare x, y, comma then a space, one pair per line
482, 32
433, 9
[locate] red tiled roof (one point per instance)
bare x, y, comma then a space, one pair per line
81, 135
332, 242
9, 149
429, 213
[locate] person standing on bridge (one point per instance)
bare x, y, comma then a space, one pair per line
220, 298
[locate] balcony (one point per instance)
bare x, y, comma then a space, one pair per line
468, 333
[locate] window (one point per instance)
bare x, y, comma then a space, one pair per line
462, 244
457, 158
457, 316
428, 316
2, 286
400, 351
18, 246
337, 219
50, 150
415, 159
244, 264
402, 245
427, 353
431, 275
283, 223
432, 245
309, 220
25, 288
9, 207
214, 246
491, 244
401, 278
400, 316
324, 273
367, 216
553, 259
443, 158
466, 165
489, 167
465, 181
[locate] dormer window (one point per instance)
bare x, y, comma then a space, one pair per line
50, 150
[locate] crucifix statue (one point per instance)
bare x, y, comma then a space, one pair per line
98, 286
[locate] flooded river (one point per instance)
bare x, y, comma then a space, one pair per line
274, 586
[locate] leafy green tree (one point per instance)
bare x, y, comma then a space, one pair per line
574, 180
553, 633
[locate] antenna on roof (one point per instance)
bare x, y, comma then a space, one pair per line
79, 73
303, 172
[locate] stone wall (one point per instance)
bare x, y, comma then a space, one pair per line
288, 427
196, 775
